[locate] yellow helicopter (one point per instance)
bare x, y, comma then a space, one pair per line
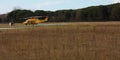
35, 20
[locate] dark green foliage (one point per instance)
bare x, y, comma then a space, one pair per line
19, 15
114, 12
0, 20
93, 13
40, 13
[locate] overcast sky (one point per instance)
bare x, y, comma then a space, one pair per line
52, 5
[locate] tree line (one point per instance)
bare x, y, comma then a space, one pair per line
94, 13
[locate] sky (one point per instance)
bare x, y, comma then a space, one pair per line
50, 5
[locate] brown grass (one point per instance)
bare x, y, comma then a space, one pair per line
73, 42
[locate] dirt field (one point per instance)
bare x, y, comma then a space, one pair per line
76, 41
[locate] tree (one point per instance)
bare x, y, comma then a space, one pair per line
93, 13
40, 13
19, 15
115, 12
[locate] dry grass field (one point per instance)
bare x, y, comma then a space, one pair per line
77, 41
